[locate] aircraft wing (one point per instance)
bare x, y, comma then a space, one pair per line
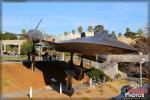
100, 43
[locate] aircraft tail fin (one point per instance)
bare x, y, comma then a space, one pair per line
83, 34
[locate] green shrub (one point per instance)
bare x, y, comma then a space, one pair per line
12, 48
67, 54
26, 47
97, 74
117, 76
8, 48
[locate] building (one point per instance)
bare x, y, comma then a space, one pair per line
70, 36
4, 43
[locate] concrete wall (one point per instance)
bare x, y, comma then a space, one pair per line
110, 66
128, 58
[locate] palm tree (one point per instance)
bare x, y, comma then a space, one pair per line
73, 31
65, 33
127, 29
113, 33
90, 29
23, 34
119, 34
80, 29
23, 31
140, 33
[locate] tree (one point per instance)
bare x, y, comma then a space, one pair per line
113, 33
8, 48
90, 29
119, 34
23, 34
97, 74
130, 34
23, 31
127, 29
140, 33
11, 47
66, 33
26, 47
99, 28
80, 29
8, 36
73, 31
143, 46
127, 33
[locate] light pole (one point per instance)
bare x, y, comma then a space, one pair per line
141, 62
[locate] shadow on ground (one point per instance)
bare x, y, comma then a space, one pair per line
56, 70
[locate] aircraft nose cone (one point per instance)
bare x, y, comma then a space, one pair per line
35, 35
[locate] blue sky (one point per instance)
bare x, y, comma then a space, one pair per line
59, 17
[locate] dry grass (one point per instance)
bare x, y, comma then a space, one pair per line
88, 91
146, 81
6, 82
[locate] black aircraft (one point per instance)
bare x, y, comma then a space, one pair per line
92, 47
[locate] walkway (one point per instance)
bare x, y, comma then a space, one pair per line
76, 88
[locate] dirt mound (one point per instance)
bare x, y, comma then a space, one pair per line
126, 40
16, 77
